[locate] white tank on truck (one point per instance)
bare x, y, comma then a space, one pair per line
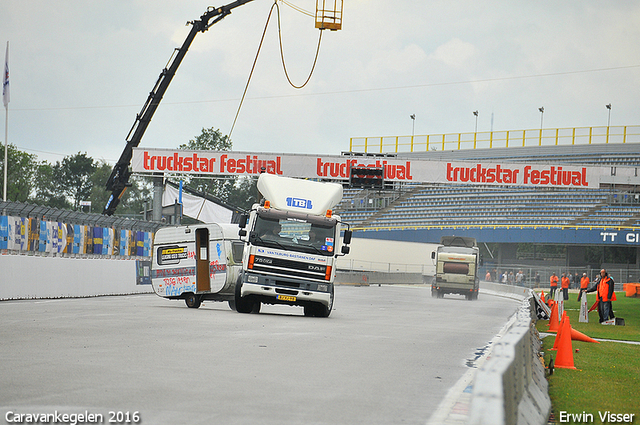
197, 263
292, 243
457, 260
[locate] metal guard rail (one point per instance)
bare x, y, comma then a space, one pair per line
497, 139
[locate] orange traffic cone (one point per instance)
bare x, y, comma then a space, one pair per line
556, 341
564, 357
579, 336
554, 326
542, 297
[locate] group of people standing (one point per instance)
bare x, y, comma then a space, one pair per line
565, 283
507, 277
603, 285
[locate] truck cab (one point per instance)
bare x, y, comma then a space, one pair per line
292, 242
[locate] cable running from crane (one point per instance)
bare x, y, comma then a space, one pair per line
253, 67
264, 32
284, 66
299, 9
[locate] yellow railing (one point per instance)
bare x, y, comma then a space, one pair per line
497, 139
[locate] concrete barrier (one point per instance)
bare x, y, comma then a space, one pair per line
377, 278
518, 291
27, 277
511, 387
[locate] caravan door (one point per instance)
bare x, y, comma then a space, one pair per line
203, 280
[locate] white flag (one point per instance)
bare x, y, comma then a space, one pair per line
5, 79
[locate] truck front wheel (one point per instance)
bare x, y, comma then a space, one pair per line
245, 304
319, 309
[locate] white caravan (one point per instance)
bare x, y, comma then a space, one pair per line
197, 263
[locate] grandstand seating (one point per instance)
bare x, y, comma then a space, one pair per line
420, 205
438, 205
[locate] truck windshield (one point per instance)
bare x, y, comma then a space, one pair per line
294, 235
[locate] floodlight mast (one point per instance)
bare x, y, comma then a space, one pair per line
119, 179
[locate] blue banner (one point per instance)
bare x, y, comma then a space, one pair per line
77, 239
514, 234
4, 232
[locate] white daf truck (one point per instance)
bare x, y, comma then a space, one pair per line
457, 260
197, 263
293, 240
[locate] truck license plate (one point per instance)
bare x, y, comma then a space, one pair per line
286, 298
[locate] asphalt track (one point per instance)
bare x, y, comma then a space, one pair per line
386, 355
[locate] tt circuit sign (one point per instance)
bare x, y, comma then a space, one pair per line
338, 168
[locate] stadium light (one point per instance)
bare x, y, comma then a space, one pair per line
476, 114
541, 109
608, 119
413, 126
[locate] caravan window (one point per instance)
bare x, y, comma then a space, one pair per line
171, 254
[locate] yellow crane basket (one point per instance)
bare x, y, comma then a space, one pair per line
329, 14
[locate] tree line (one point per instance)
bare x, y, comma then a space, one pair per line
77, 178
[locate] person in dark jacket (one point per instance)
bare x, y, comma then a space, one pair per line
603, 288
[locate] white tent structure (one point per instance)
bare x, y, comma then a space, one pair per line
196, 207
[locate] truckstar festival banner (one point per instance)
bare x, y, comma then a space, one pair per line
338, 167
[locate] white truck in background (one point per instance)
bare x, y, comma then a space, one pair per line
457, 260
197, 263
292, 243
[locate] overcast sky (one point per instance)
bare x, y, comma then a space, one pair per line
80, 71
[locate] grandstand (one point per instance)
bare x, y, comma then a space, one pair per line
464, 205
612, 205
607, 216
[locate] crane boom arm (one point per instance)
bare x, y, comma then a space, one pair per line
119, 178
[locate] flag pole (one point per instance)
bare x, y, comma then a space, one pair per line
6, 165
5, 100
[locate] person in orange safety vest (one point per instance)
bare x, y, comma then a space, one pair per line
584, 285
565, 286
553, 285
604, 291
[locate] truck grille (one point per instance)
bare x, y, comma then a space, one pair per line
291, 268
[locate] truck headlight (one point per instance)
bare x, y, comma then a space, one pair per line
252, 278
323, 287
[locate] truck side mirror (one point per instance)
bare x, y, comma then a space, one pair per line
347, 237
243, 221
242, 233
481, 260
433, 255
345, 249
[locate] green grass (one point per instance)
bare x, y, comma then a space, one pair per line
608, 374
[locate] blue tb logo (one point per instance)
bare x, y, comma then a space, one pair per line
299, 203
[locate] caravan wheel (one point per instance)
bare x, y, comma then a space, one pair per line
192, 300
